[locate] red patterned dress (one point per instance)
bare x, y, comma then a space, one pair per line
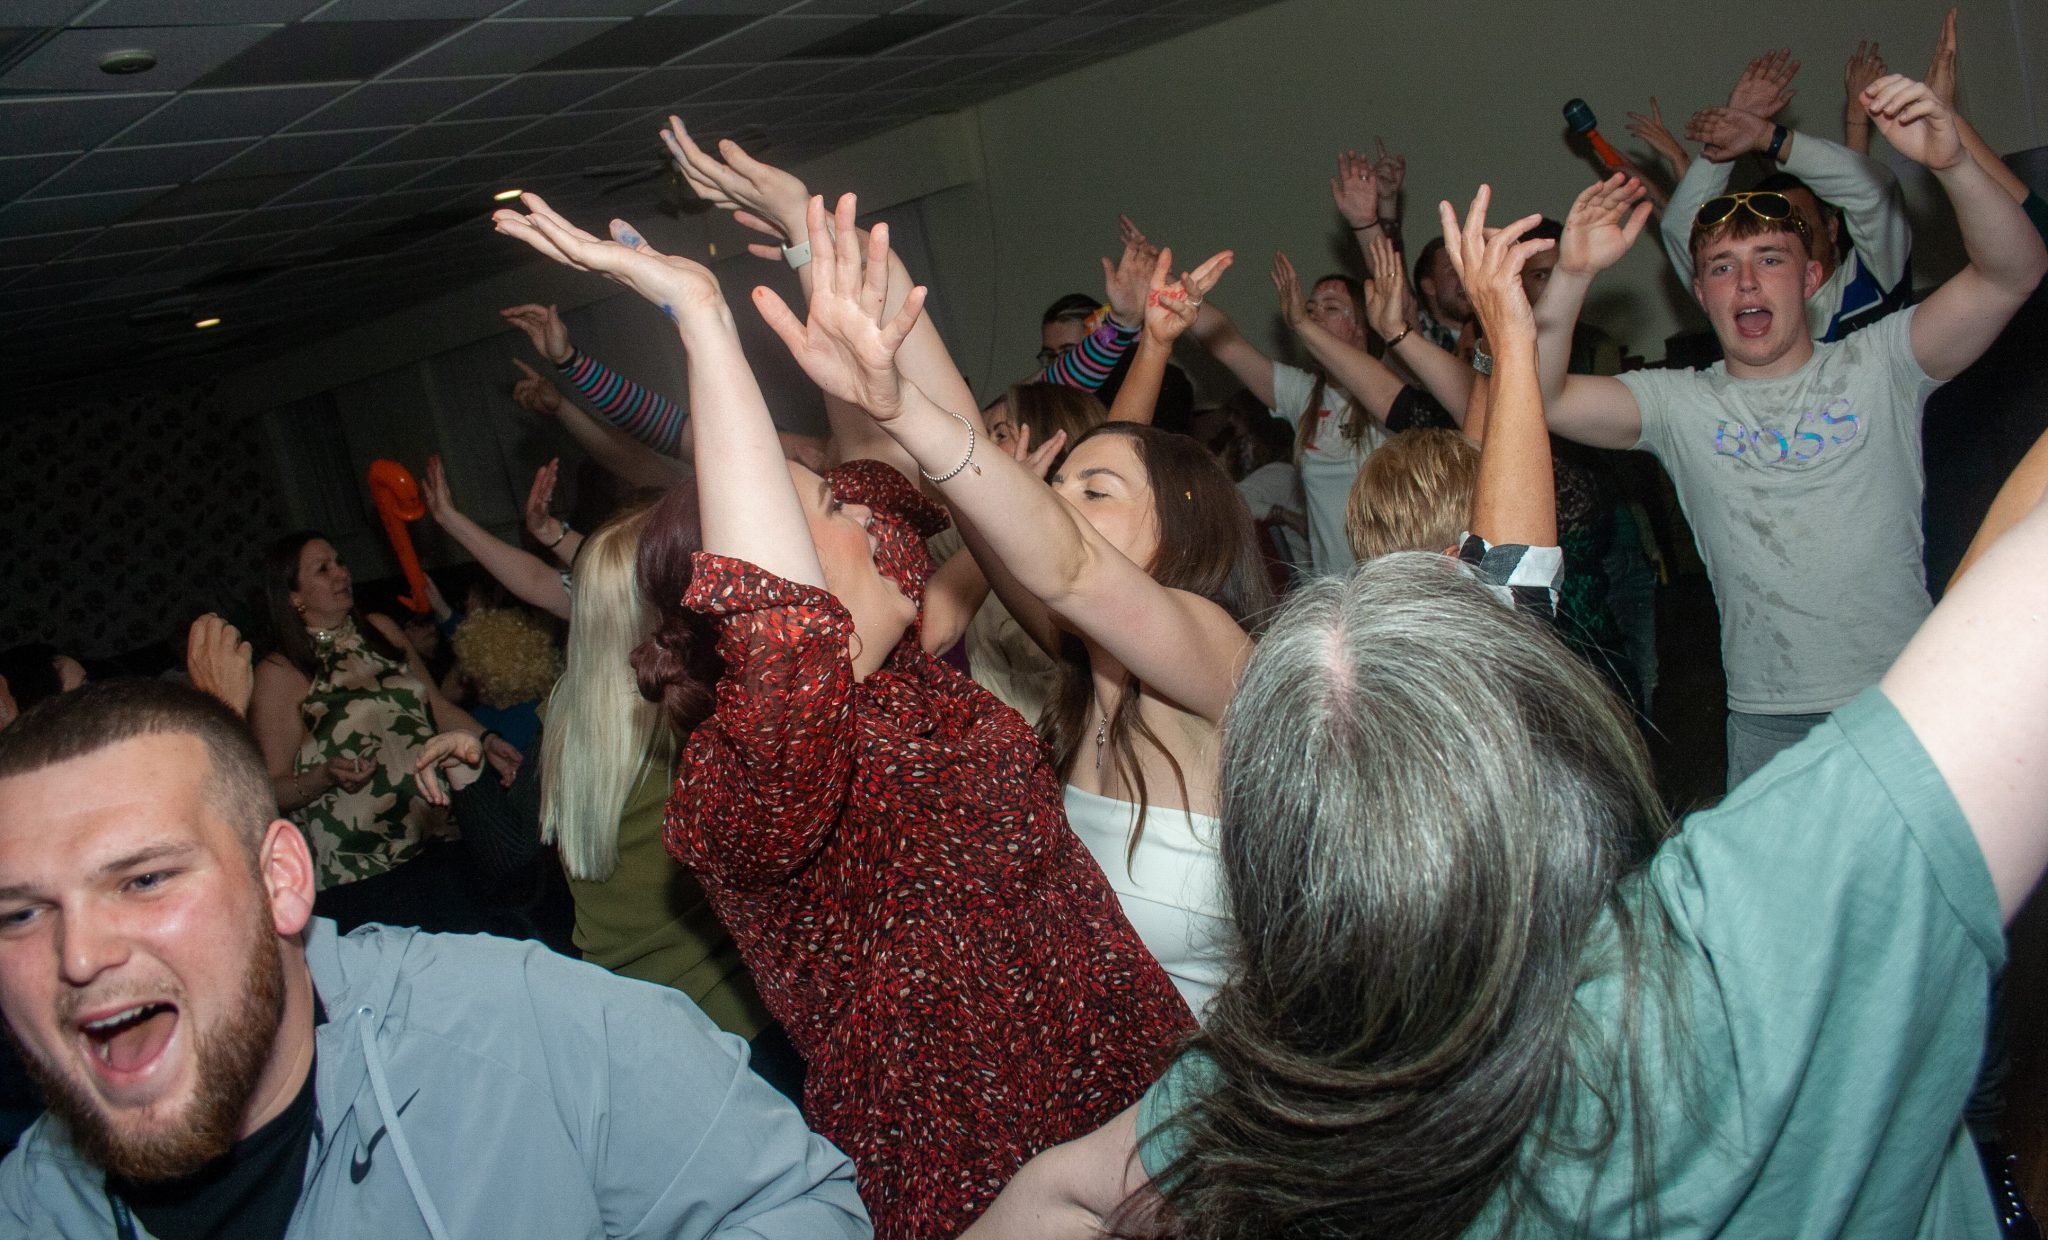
894, 861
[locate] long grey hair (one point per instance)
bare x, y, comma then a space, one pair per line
1428, 806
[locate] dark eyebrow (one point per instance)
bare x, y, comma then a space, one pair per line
1103, 469
128, 861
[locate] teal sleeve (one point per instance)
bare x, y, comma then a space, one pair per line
1180, 1087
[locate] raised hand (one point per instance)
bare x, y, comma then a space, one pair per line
1604, 222
1293, 309
1765, 86
459, 751
1388, 308
1489, 262
1941, 71
1389, 171
1651, 129
543, 326
534, 393
1172, 306
504, 758
760, 196
1038, 461
1914, 121
1865, 66
218, 662
1726, 133
1125, 282
672, 282
538, 497
1130, 234
845, 346
1356, 189
434, 490
350, 774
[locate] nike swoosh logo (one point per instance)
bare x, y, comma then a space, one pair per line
359, 1164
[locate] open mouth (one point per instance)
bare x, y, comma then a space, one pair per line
124, 1043
1753, 322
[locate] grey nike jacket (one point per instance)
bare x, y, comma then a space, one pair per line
474, 1087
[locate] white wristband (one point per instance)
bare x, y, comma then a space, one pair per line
797, 255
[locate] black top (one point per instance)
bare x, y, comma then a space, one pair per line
248, 1192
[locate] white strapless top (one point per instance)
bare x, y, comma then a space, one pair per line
1171, 889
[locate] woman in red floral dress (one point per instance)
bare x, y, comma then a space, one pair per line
885, 840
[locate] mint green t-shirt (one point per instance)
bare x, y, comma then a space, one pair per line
1836, 933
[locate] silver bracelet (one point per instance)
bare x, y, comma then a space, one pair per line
965, 461
797, 255
1482, 361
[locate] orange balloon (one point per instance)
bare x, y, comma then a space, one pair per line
397, 496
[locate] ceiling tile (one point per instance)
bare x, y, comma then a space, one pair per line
357, 182
44, 12
33, 126
720, 6
780, 78
211, 13
876, 35
22, 173
539, 94
44, 215
583, 8
476, 170
225, 194
81, 271
644, 42
661, 88
866, 74
444, 140
396, 103
70, 59
152, 235
141, 165
971, 35
272, 220
27, 249
205, 254
387, 10
252, 112
330, 52
564, 131
772, 38
506, 47
305, 152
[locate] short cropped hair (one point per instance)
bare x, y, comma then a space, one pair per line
1414, 493
1743, 224
95, 716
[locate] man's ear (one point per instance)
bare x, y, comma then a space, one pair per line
286, 867
1813, 277
1697, 294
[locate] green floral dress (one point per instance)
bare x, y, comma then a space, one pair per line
365, 704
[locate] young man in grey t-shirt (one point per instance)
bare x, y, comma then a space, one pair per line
1798, 463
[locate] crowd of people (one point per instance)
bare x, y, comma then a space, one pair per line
1083, 814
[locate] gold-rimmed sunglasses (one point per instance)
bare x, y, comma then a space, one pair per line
1765, 204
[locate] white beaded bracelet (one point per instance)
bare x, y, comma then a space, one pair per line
965, 461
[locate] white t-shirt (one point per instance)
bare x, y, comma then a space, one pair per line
1330, 465
1277, 484
1804, 495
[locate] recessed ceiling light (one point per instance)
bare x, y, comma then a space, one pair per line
127, 61
506, 195
207, 323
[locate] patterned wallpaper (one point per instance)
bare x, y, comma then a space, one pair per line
127, 515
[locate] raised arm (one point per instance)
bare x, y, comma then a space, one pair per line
1389, 310
1941, 79
529, 578
1169, 310
1366, 377
1184, 645
549, 530
1592, 409
1653, 130
772, 201
1959, 320
1088, 365
1216, 332
616, 452
748, 507
1864, 67
1973, 683
1515, 497
645, 417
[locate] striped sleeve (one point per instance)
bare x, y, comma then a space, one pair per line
1526, 578
1088, 365
650, 418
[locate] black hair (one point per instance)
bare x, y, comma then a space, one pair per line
1071, 308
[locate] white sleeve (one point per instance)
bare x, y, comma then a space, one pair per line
1701, 181
1867, 194
1291, 388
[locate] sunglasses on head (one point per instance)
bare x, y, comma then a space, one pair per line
1764, 204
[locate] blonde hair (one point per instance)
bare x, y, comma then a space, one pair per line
508, 654
1413, 494
601, 735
